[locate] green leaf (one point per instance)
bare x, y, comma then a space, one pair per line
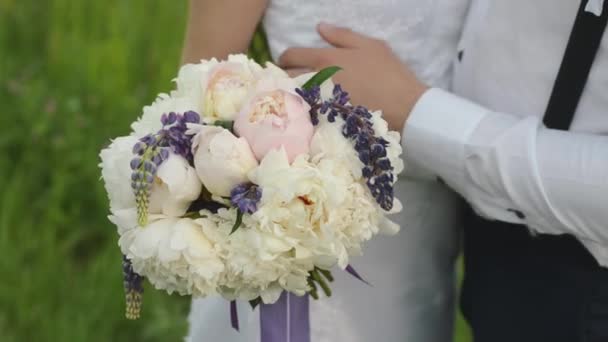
239, 221
255, 302
321, 77
227, 124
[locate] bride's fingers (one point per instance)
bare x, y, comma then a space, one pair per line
341, 36
294, 72
298, 57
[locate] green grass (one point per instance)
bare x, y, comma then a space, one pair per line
72, 75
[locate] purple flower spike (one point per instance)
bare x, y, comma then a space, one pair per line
134, 289
139, 148
365, 157
157, 160
384, 164
171, 118
149, 139
246, 197
164, 154
378, 151
192, 117
149, 167
135, 163
367, 171
153, 149
340, 96
358, 128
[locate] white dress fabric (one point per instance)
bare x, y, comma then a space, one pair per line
412, 273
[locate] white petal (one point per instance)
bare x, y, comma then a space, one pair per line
271, 294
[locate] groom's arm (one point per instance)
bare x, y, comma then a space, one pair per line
218, 28
509, 168
513, 169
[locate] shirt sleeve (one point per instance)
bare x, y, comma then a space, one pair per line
513, 169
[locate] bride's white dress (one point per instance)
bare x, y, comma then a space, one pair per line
412, 273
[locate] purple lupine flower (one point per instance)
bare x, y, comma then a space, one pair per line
153, 149
246, 197
192, 117
358, 127
134, 289
341, 97
139, 148
312, 95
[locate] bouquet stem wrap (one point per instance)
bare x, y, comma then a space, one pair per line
287, 320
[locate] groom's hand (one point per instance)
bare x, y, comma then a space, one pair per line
372, 74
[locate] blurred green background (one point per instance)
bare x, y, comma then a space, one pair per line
72, 75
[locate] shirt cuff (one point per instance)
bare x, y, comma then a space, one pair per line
436, 133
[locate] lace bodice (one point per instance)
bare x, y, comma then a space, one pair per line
422, 33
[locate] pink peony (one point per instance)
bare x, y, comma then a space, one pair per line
275, 116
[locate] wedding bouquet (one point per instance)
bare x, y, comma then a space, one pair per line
246, 183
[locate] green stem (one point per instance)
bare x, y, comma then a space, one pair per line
321, 281
313, 289
327, 274
192, 215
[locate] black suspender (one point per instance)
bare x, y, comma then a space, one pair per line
580, 53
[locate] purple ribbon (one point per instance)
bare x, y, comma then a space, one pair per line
234, 316
351, 270
287, 320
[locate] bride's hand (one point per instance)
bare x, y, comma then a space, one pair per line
373, 75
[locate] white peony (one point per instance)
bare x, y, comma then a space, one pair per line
250, 270
296, 202
222, 160
124, 219
175, 187
190, 83
149, 122
328, 143
116, 172
175, 255
272, 71
219, 88
228, 85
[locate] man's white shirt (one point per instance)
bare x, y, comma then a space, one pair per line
488, 142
